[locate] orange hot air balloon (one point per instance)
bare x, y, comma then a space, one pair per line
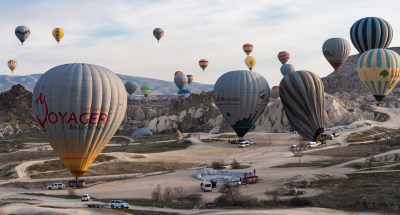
12, 64
248, 48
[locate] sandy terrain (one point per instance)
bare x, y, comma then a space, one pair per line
271, 150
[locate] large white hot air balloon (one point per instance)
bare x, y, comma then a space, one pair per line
79, 107
241, 97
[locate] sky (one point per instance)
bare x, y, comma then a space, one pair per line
118, 34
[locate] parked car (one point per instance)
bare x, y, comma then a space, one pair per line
251, 142
118, 204
293, 146
56, 186
206, 186
312, 144
244, 144
339, 129
294, 132
85, 197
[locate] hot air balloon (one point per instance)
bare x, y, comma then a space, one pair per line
302, 96
180, 81
183, 93
203, 63
371, 33
130, 87
146, 89
283, 56
190, 78
241, 96
379, 70
336, 51
287, 68
178, 72
12, 64
275, 92
158, 33
250, 62
248, 48
22, 32
79, 107
58, 34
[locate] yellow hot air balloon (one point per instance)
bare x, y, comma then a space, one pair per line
379, 70
12, 64
58, 34
248, 48
203, 63
250, 61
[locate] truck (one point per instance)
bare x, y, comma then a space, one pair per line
206, 186
250, 179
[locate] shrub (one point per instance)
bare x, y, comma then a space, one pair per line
180, 193
235, 164
300, 202
234, 198
168, 194
217, 164
156, 194
194, 197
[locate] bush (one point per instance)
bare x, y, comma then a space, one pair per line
195, 198
234, 198
156, 194
217, 164
168, 194
180, 193
235, 164
300, 202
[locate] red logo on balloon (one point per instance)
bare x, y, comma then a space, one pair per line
41, 100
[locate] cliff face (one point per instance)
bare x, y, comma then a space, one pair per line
346, 85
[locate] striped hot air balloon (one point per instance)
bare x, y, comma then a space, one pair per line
79, 107
178, 72
275, 92
371, 33
379, 70
158, 33
248, 48
146, 89
302, 96
190, 78
203, 63
283, 56
58, 34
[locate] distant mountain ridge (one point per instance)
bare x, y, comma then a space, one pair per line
159, 87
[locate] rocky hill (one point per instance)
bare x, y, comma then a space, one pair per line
159, 87
346, 84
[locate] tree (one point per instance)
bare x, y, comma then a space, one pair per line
168, 194
180, 193
156, 194
298, 149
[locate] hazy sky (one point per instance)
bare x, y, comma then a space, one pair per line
118, 34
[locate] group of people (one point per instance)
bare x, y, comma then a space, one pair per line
249, 174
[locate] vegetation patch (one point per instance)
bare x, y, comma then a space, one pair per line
375, 133
319, 163
151, 147
367, 191
228, 136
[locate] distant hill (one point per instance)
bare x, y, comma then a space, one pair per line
159, 87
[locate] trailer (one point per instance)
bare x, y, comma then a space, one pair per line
96, 205
250, 179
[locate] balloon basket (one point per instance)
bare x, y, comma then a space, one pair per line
76, 183
379, 104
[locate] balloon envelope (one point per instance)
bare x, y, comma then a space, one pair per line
79, 107
183, 93
203, 63
287, 68
379, 70
250, 61
371, 33
130, 87
146, 89
12, 64
178, 72
248, 48
336, 51
283, 56
241, 97
302, 96
58, 34
158, 33
181, 81
22, 33
190, 78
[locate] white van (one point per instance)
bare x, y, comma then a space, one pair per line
206, 186
312, 144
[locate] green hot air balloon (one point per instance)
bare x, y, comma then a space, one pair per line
302, 96
241, 96
146, 89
